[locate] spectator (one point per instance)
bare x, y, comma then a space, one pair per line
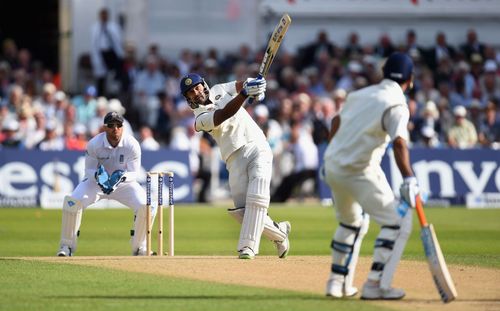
427, 91
47, 102
475, 113
9, 53
490, 83
106, 53
147, 141
462, 134
428, 138
472, 45
10, 139
116, 106
15, 98
441, 50
310, 54
149, 83
306, 161
339, 96
35, 136
75, 137
85, 105
347, 81
353, 48
186, 138
184, 63
412, 48
4, 79
489, 130
384, 47
52, 141
95, 123
429, 119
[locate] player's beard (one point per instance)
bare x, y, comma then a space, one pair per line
114, 137
201, 100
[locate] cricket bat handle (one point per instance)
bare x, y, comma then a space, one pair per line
420, 211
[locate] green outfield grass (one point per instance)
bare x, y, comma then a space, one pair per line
30, 285
467, 237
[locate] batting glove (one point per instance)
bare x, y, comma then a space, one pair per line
254, 87
409, 190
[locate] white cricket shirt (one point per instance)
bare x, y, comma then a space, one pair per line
369, 120
125, 156
233, 133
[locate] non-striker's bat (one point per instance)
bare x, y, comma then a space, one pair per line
435, 258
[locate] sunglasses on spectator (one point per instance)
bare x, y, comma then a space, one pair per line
113, 125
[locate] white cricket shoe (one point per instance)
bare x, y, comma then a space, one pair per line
283, 247
64, 251
335, 287
372, 291
246, 253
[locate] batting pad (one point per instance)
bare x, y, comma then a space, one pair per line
349, 278
252, 227
397, 251
139, 238
345, 247
71, 220
271, 229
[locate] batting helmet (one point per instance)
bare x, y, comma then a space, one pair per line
188, 82
398, 67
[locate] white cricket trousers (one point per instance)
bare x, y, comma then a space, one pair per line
130, 194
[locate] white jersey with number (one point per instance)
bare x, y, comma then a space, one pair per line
369, 119
235, 132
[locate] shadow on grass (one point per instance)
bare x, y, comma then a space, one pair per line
254, 298
194, 297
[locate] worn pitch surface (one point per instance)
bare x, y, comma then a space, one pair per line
478, 288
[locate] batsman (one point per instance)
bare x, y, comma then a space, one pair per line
370, 119
248, 157
112, 162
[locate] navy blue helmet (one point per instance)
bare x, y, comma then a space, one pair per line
398, 67
188, 82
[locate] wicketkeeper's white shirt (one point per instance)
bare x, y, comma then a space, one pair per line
233, 133
125, 156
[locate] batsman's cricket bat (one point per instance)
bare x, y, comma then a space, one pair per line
274, 44
435, 258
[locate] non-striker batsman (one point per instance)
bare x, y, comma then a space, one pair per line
370, 119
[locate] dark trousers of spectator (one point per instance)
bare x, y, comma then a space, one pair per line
204, 176
114, 64
285, 189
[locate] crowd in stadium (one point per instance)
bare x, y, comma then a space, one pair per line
454, 102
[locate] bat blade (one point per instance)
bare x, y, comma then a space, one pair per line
274, 44
437, 265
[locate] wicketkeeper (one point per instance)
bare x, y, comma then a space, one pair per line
112, 162
244, 148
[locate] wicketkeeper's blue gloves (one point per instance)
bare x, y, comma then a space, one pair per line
102, 179
115, 179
